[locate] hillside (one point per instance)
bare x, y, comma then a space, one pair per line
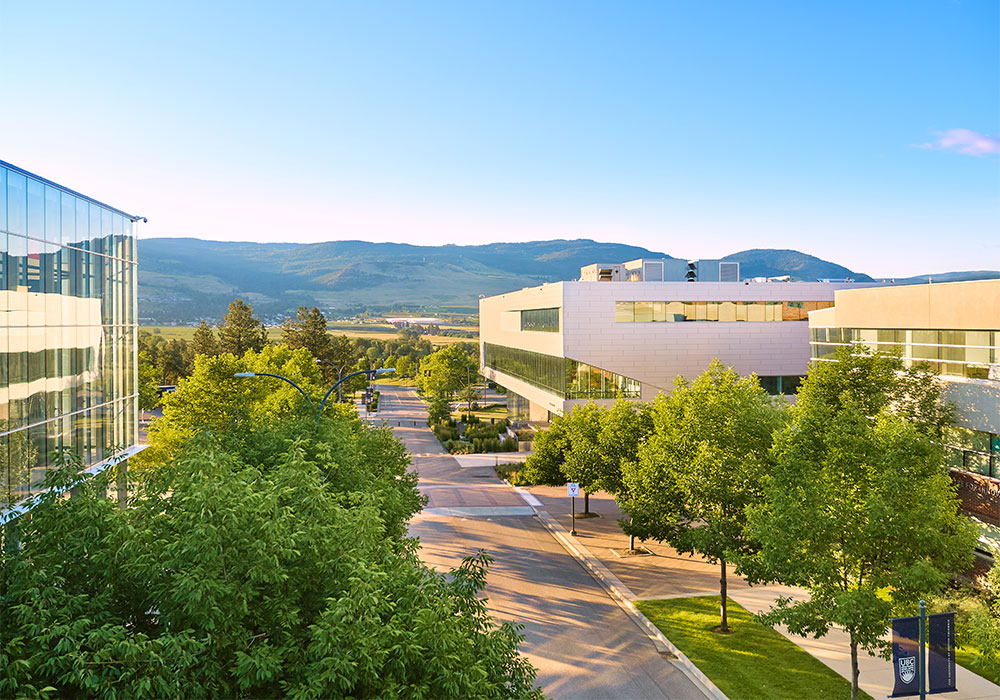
182, 280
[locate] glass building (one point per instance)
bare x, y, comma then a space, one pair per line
68, 333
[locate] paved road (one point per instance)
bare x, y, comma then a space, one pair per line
582, 643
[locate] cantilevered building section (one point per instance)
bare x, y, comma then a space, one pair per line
68, 333
955, 327
629, 329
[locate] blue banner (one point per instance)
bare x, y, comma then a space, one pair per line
941, 653
905, 656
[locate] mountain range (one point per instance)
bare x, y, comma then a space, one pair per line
184, 280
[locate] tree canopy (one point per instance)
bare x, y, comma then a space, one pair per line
702, 466
448, 369
262, 554
858, 509
240, 330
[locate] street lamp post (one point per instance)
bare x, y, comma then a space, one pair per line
371, 373
340, 374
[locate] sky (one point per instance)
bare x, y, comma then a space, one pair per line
865, 133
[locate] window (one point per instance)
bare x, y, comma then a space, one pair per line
727, 311
564, 377
545, 320
955, 353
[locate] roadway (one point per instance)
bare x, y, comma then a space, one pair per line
583, 644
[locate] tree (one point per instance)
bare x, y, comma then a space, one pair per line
702, 466
275, 565
240, 330
448, 369
624, 428
308, 331
545, 464
439, 410
986, 622
583, 462
858, 509
204, 342
147, 383
212, 399
469, 395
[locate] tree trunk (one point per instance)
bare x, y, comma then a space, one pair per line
854, 668
631, 542
724, 626
586, 503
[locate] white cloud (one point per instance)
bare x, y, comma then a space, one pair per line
965, 141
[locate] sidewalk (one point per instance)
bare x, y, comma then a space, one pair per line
668, 574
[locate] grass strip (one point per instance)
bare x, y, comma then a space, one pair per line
755, 662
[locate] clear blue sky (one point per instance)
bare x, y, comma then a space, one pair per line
867, 133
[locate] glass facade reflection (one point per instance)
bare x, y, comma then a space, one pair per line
955, 353
546, 320
68, 328
563, 377
732, 311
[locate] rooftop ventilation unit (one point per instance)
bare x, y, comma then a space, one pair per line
729, 272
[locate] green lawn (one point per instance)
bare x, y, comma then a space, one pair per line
754, 662
966, 658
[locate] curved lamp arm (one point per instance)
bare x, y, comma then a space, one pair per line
277, 376
371, 375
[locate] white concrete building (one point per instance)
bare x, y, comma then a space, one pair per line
565, 343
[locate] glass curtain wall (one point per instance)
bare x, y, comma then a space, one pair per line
561, 376
67, 330
731, 311
955, 353
546, 320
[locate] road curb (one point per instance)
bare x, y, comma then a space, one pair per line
623, 596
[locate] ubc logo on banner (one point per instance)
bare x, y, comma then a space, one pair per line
905, 654
907, 668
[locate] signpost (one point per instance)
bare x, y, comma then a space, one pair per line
915, 673
573, 490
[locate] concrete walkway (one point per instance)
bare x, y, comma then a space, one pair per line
583, 644
668, 574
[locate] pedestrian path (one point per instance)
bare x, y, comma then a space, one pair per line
669, 574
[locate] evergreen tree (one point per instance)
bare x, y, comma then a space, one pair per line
240, 330
308, 331
204, 342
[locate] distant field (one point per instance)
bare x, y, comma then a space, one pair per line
367, 330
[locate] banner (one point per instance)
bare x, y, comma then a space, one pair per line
941, 653
905, 656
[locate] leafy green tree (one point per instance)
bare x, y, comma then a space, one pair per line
147, 383
240, 330
405, 366
204, 342
213, 399
582, 459
624, 427
469, 395
447, 370
858, 509
275, 565
439, 410
545, 464
986, 622
702, 466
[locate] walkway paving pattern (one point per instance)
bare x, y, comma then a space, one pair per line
585, 642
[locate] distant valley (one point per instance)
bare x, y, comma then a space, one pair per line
184, 280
